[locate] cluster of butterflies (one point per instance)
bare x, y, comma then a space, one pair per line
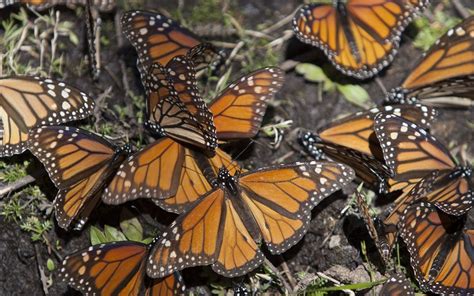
225, 212
393, 153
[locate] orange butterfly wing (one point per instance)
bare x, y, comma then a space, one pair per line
167, 286
452, 56
78, 163
196, 178
116, 268
197, 238
152, 172
158, 39
239, 109
29, 102
280, 199
359, 37
106, 269
441, 254
224, 227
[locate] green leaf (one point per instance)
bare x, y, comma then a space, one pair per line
97, 236
50, 264
312, 72
354, 94
131, 227
112, 234
147, 240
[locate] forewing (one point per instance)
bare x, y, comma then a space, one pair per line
29, 102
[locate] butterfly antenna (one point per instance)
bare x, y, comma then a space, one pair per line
234, 159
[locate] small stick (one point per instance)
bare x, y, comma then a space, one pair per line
287, 19
7, 189
39, 264
277, 273
380, 84
460, 9
287, 271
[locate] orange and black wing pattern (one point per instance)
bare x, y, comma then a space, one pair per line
167, 172
168, 286
445, 71
410, 151
29, 102
116, 268
197, 238
442, 252
196, 179
359, 37
397, 285
281, 198
175, 107
158, 39
78, 163
152, 172
238, 111
396, 211
352, 140
224, 228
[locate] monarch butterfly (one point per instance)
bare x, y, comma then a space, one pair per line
224, 227
351, 140
374, 229
158, 39
29, 102
116, 268
238, 113
359, 37
442, 251
80, 164
101, 5
445, 73
412, 154
175, 107
397, 285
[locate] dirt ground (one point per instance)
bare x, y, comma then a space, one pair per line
333, 239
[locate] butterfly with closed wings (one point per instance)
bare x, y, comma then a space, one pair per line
225, 226
175, 108
80, 164
441, 249
30, 102
359, 37
420, 167
444, 77
116, 268
173, 175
